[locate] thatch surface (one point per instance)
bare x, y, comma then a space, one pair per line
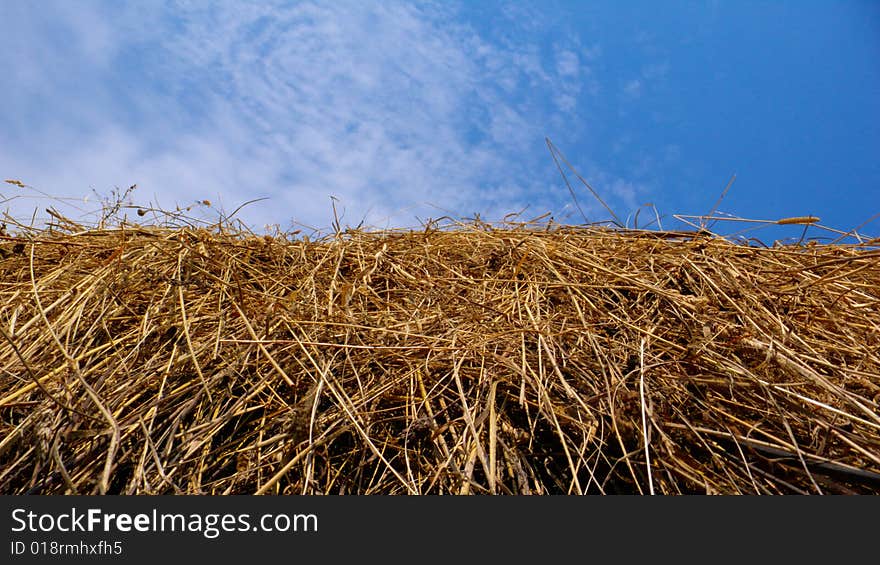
475, 359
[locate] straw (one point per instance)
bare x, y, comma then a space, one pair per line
514, 358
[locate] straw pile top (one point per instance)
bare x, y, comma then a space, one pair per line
476, 359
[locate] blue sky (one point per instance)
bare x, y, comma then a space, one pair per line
409, 111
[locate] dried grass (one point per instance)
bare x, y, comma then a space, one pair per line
470, 359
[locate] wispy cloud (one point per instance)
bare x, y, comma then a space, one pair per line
397, 110
633, 89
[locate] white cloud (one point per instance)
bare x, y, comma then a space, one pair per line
574, 78
567, 63
633, 88
397, 110
198, 169
626, 192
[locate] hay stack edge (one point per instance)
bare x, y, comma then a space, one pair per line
468, 359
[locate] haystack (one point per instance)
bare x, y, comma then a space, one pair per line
465, 359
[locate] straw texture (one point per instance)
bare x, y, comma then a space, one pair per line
468, 359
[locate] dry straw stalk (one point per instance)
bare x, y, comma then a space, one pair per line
474, 359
